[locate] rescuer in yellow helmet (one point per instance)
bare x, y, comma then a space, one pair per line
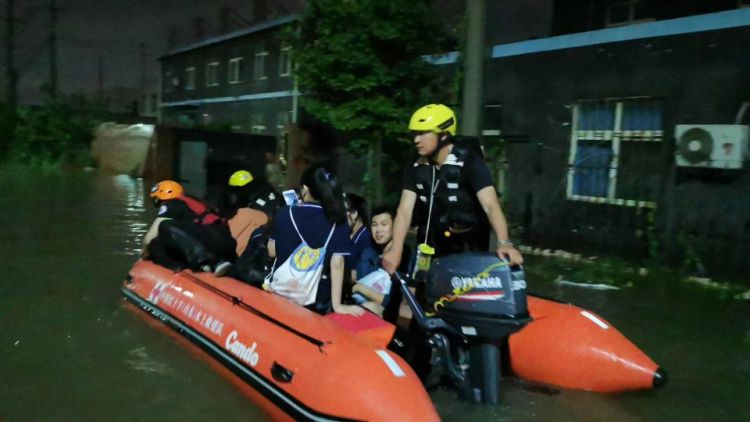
450, 192
244, 190
240, 178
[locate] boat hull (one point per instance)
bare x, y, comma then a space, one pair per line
294, 362
570, 347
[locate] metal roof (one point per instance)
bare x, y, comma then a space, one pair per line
236, 34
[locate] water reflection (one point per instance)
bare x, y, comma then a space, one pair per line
133, 194
140, 360
68, 348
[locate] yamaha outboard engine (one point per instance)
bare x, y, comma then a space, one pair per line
474, 301
478, 293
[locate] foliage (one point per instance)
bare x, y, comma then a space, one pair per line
605, 270
7, 127
58, 132
691, 262
360, 68
652, 236
623, 273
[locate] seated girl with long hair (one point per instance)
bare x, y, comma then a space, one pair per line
298, 236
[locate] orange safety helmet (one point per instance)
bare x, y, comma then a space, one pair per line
166, 189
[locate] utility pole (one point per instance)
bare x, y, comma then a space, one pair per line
199, 28
142, 82
53, 48
225, 19
142, 52
471, 106
171, 37
10, 65
261, 11
100, 79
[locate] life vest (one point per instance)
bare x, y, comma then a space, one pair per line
203, 214
455, 206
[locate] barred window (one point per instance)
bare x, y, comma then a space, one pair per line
259, 66
285, 61
257, 124
235, 70
212, 74
190, 78
614, 151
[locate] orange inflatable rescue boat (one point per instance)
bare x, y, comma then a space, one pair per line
295, 364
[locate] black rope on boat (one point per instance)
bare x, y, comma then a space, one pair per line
237, 301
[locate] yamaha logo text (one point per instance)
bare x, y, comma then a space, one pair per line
477, 282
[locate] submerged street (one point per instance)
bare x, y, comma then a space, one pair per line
71, 350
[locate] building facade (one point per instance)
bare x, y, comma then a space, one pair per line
591, 115
240, 81
589, 104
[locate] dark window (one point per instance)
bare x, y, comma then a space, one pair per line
592, 170
615, 151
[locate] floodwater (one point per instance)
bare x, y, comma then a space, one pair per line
70, 350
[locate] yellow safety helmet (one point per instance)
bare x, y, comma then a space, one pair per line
240, 178
166, 189
433, 118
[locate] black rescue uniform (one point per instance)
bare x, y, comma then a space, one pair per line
254, 263
258, 195
458, 222
190, 239
176, 210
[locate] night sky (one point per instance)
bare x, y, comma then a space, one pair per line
114, 30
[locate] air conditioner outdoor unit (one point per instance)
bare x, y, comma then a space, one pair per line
714, 146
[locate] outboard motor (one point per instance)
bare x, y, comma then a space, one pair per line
474, 301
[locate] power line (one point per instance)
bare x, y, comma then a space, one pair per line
10, 66
107, 46
53, 48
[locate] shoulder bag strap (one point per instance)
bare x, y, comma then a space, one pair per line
330, 235
295, 225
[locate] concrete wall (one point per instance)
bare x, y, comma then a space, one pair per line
699, 78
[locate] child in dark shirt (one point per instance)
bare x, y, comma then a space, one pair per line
373, 291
